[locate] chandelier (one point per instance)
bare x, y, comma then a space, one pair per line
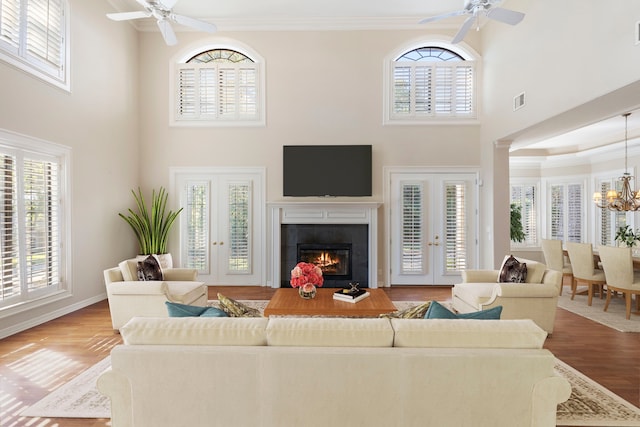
627, 199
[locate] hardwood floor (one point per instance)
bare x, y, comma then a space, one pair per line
34, 362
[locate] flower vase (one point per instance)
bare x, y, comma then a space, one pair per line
307, 291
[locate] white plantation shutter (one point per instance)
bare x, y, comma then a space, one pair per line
525, 195
412, 228
239, 260
432, 90
30, 225
566, 207
557, 212
575, 204
455, 239
34, 35
196, 212
217, 92
609, 221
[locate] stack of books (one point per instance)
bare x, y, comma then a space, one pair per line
352, 296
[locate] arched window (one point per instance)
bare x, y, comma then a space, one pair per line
219, 86
431, 82
34, 37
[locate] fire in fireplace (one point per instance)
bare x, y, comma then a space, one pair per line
333, 259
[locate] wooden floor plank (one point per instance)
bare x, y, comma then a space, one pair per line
36, 361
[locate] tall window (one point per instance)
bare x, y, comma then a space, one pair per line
431, 83
218, 86
31, 223
566, 212
525, 196
608, 221
34, 37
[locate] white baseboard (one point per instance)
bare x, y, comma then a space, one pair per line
23, 326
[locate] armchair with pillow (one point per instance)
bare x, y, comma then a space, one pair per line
139, 287
529, 292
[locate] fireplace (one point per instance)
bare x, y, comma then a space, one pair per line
334, 259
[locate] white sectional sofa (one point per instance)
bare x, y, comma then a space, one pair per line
292, 372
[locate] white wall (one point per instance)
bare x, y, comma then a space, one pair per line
98, 120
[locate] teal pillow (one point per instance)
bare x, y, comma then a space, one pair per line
183, 310
438, 311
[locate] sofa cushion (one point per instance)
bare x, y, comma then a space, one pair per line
470, 333
185, 292
184, 310
329, 332
438, 311
513, 270
129, 269
195, 331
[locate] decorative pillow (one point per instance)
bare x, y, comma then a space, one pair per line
236, 309
416, 312
438, 311
183, 310
513, 271
149, 269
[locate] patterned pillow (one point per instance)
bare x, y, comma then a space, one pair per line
416, 312
183, 310
513, 271
236, 309
149, 269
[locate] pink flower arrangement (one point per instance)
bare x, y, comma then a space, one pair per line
306, 273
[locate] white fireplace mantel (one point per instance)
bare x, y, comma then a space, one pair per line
322, 213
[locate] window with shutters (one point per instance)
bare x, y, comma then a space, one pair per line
219, 86
32, 183
34, 37
525, 195
239, 227
412, 228
566, 207
429, 83
456, 227
608, 222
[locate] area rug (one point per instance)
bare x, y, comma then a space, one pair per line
614, 317
590, 404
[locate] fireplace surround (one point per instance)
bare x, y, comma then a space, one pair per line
330, 223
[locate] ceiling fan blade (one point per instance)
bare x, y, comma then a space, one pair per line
444, 16
168, 4
464, 30
194, 23
124, 16
144, 4
167, 32
507, 16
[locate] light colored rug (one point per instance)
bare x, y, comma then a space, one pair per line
614, 317
590, 404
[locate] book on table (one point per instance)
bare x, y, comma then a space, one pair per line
350, 296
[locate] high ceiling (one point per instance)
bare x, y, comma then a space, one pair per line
238, 15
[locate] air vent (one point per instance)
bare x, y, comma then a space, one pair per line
518, 101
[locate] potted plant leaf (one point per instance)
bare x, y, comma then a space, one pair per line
627, 236
516, 230
151, 225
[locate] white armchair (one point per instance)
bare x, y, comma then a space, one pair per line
129, 297
536, 299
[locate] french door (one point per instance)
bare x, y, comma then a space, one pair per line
221, 227
433, 222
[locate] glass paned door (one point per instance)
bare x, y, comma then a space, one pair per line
432, 227
221, 229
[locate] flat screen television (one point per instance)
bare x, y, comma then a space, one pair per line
327, 170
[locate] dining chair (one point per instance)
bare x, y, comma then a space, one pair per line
618, 268
584, 271
555, 260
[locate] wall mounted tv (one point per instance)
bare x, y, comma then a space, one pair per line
327, 170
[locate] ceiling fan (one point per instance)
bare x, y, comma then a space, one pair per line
475, 8
161, 10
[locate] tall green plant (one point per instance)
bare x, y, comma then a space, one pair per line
516, 231
151, 226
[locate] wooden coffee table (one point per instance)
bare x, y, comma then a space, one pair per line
287, 302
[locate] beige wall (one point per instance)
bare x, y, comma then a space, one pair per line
98, 120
